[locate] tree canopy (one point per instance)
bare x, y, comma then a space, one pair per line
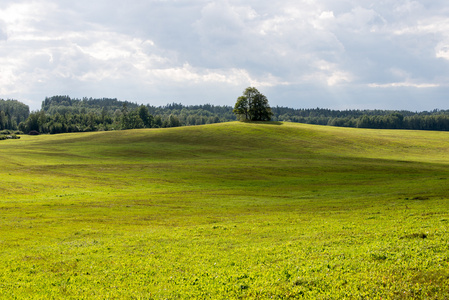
12, 112
252, 106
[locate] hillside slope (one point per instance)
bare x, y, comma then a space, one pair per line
230, 210
240, 140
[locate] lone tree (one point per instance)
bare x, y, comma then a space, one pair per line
252, 106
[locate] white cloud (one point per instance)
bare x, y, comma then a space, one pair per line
442, 50
404, 84
361, 19
327, 73
166, 49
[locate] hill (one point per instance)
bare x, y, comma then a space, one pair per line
230, 210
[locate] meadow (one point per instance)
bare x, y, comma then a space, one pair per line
226, 211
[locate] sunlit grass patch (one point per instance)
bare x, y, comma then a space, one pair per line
225, 211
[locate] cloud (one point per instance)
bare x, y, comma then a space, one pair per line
328, 52
3, 35
404, 84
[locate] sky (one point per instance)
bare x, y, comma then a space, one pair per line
337, 54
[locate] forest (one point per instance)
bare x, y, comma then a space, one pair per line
62, 114
12, 113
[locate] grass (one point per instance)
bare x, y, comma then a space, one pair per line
225, 211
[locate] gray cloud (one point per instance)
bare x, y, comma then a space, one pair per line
3, 35
337, 54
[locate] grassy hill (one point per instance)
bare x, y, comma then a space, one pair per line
230, 210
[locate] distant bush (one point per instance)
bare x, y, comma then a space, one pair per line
5, 132
9, 137
11, 132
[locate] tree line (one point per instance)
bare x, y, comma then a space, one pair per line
375, 119
60, 114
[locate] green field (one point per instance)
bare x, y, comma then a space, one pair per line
226, 211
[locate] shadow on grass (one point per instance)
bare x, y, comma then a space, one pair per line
263, 122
